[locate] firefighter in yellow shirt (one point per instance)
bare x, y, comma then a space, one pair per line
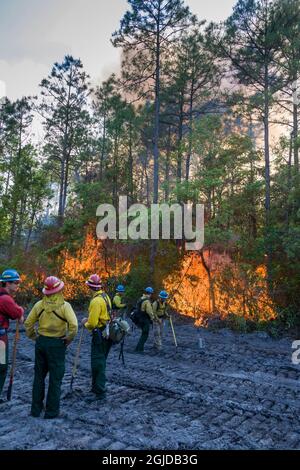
57, 327
160, 310
118, 303
146, 316
99, 316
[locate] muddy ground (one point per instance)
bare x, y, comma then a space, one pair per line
238, 392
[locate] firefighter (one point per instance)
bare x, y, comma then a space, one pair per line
118, 303
160, 310
145, 316
57, 327
9, 310
98, 319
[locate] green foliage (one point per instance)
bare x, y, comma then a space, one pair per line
66, 121
165, 131
137, 280
236, 323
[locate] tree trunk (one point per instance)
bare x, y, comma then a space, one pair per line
115, 170
61, 189
21, 220
65, 158
30, 231
267, 179
156, 140
295, 137
190, 147
130, 166
66, 181
147, 183
157, 115
102, 148
167, 166
253, 218
289, 181
7, 179
212, 297
15, 197
179, 142
13, 229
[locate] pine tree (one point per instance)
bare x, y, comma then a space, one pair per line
145, 34
64, 93
250, 42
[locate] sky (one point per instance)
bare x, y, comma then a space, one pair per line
36, 33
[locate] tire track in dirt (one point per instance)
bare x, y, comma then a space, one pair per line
240, 392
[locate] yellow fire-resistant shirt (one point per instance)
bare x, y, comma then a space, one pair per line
98, 313
48, 323
117, 301
147, 307
159, 308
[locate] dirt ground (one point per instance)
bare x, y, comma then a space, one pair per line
237, 392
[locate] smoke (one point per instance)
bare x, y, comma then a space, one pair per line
2, 90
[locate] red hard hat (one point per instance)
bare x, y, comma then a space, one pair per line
94, 281
52, 285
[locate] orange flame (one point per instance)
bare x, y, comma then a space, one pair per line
199, 290
92, 257
226, 291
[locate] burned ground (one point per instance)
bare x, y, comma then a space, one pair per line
238, 392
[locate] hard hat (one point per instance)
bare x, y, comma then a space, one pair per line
163, 294
52, 285
10, 275
120, 288
94, 281
149, 290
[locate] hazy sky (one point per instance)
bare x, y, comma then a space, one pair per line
36, 33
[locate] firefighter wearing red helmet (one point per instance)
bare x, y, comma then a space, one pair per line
96, 323
57, 327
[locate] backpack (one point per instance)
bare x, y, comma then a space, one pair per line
118, 329
136, 315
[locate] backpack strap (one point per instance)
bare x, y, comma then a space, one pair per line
55, 313
108, 305
58, 316
42, 311
140, 303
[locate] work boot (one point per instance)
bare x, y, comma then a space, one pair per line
137, 352
101, 397
51, 417
92, 397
